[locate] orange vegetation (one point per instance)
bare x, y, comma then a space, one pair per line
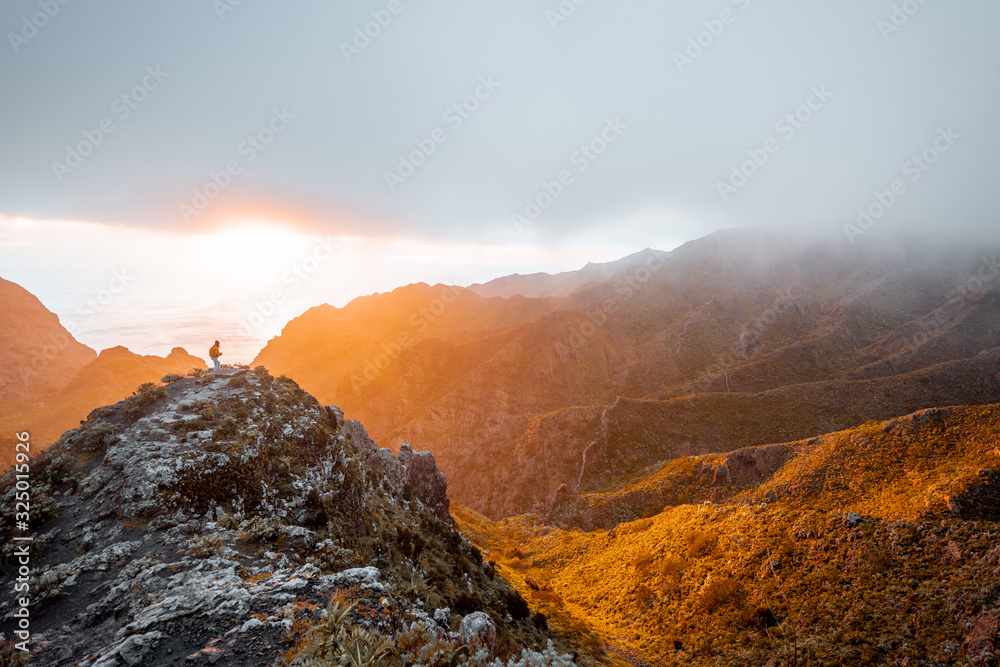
914, 575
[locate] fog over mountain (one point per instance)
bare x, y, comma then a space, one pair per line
649, 123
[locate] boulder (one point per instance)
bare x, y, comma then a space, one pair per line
478, 627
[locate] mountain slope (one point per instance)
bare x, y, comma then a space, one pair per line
328, 348
38, 357
871, 546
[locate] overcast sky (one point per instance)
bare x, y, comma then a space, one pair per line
666, 119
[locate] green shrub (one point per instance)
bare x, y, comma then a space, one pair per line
209, 413
94, 438
206, 547
186, 426
226, 430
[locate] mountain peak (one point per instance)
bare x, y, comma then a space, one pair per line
40, 355
541, 285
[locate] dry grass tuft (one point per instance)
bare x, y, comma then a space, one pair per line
547, 595
643, 596
700, 542
716, 593
637, 526
642, 562
673, 566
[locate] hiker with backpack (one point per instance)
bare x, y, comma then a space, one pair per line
214, 353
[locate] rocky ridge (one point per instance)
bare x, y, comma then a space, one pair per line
231, 519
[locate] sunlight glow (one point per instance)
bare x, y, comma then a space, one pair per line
254, 241
243, 280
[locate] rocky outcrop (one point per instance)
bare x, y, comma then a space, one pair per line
982, 643
750, 465
211, 520
684, 480
411, 473
973, 495
424, 478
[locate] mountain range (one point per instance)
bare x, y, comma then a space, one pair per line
741, 338
735, 429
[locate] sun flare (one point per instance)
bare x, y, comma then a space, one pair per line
256, 239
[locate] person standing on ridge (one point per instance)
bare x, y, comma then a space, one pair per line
214, 353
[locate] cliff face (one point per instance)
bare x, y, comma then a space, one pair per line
738, 339
216, 519
38, 357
